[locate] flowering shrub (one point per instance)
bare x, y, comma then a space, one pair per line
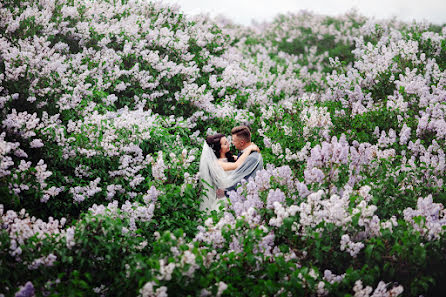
104, 109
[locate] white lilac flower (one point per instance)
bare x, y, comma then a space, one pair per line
36, 143
352, 247
432, 226
221, 288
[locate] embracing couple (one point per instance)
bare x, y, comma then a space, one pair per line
220, 171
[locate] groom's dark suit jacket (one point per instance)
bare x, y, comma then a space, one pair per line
251, 158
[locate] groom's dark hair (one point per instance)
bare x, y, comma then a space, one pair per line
242, 132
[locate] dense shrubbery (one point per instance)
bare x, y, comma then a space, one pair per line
104, 108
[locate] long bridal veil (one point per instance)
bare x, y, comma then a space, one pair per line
214, 177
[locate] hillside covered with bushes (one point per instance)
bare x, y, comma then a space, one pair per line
104, 109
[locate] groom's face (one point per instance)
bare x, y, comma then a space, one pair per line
238, 142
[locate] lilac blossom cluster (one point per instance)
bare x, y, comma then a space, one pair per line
381, 290
134, 212
21, 226
432, 217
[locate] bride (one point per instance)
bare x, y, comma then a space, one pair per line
217, 169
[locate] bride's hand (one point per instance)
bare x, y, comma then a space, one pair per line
254, 147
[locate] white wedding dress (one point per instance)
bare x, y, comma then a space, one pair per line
213, 203
213, 177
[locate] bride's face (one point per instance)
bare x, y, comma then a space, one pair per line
224, 143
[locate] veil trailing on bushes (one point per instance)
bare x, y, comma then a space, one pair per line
214, 177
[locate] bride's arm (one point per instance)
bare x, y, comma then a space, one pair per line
231, 166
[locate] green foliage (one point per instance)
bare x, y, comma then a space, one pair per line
326, 43
361, 126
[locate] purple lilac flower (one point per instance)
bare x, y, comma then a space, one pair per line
26, 291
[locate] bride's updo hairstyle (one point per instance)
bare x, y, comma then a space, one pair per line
214, 143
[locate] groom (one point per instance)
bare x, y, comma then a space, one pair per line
241, 138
